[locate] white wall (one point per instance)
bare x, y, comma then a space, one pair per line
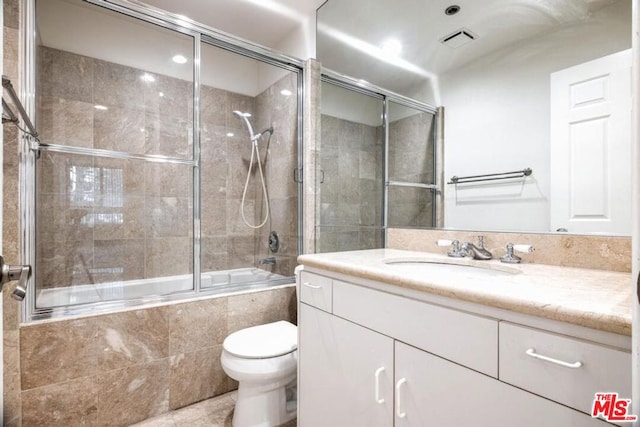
352, 106
497, 120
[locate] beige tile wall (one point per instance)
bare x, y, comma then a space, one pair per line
411, 160
121, 368
596, 252
136, 214
351, 194
11, 225
280, 111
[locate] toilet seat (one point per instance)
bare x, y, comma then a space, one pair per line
263, 341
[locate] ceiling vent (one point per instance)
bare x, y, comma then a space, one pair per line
458, 38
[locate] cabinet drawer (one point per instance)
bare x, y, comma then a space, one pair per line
460, 337
316, 290
600, 369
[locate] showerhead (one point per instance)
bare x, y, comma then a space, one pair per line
245, 117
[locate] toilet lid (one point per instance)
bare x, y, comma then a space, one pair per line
263, 341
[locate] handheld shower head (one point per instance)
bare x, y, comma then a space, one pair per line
245, 117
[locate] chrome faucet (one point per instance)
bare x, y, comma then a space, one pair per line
476, 252
466, 249
510, 257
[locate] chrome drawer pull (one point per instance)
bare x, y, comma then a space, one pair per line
309, 285
532, 353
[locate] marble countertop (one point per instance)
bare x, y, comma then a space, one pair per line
591, 298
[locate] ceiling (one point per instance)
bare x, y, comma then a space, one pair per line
350, 33
265, 22
85, 29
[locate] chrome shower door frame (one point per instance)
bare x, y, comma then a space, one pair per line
29, 147
360, 86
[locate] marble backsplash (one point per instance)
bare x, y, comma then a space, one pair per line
581, 251
121, 368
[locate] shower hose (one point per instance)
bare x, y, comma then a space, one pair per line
255, 154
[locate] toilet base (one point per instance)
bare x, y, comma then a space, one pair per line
260, 406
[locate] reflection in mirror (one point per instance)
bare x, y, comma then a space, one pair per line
502, 81
411, 167
350, 170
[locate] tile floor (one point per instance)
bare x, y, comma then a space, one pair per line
214, 412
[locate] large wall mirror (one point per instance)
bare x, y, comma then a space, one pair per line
524, 84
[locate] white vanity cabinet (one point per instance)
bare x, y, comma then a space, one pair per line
346, 372
371, 358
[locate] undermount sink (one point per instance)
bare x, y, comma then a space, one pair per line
423, 267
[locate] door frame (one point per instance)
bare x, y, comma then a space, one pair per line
635, 197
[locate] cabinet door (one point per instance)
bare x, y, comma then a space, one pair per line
439, 393
346, 373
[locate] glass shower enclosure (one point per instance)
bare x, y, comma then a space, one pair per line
143, 174
377, 165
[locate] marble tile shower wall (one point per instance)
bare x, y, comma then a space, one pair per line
280, 111
411, 159
99, 219
351, 194
103, 220
121, 368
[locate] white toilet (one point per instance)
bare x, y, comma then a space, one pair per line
263, 359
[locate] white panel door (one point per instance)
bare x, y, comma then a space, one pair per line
346, 373
431, 391
591, 146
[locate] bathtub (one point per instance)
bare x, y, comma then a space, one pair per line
213, 282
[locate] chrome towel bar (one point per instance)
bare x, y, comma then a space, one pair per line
490, 176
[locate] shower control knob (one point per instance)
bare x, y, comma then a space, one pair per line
15, 272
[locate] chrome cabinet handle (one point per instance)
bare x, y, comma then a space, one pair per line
399, 412
377, 378
309, 285
532, 353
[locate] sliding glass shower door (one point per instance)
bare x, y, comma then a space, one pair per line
350, 170
376, 166
165, 162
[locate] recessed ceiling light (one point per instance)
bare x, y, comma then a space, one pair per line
285, 92
179, 59
160, 94
148, 78
100, 107
452, 10
230, 134
392, 47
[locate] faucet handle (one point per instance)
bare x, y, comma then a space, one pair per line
455, 251
480, 242
523, 248
510, 257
